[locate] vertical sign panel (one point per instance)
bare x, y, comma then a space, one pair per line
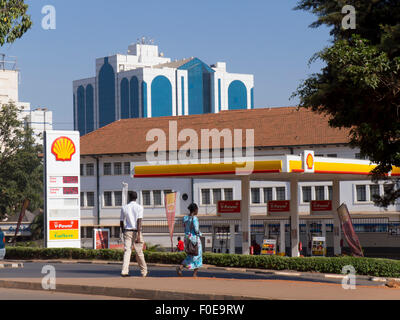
62, 189
170, 207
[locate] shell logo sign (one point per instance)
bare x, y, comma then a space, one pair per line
63, 148
310, 161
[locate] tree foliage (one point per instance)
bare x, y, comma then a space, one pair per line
21, 169
14, 20
37, 227
359, 87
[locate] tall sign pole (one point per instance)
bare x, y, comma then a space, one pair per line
62, 189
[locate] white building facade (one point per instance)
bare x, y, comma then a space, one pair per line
39, 119
145, 84
103, 175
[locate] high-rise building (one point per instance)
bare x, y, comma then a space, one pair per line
145, 84
39, 119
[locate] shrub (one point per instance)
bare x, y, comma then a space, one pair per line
363, 266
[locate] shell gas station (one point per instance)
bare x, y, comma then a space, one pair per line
290, 168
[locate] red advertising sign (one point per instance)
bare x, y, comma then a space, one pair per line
64, 225
229, 206
279, 206
101, 238
321, 205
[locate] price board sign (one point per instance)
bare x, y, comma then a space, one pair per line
62, 189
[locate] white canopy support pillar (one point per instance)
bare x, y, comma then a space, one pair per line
337, 230
232, 245
323, 228
294, 218
245, 214
282, 244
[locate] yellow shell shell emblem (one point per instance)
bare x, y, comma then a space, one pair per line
310, 161
63, 148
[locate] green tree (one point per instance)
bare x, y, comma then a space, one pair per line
37, 227
21, 169
14, 20
359, 87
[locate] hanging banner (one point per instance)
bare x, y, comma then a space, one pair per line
101, 238
348, 231
170, 206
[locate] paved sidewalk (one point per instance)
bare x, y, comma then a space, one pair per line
207, 289
187, 288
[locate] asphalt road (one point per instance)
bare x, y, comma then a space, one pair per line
19, 294
78, 270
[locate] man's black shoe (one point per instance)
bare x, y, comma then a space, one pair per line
125, 275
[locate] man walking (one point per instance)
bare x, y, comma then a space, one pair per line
131, 226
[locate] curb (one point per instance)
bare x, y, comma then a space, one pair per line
148, 294
287, 273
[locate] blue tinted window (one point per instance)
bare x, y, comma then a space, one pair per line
124, 98
237, 95
134, 85
161, 97
106, 94
199, 86
81, 110
89, 108
252, 98
75, 126
144, 99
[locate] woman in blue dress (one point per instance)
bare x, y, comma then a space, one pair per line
192, 233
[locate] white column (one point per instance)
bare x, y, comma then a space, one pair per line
245, 213
305, 245
294, 218
282, 242
337, 230
232, 238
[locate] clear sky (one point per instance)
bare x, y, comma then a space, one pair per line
266, 38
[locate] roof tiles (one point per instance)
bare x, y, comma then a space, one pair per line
273, 127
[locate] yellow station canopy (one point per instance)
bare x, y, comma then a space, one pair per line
305, 167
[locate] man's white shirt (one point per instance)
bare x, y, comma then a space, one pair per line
130, 213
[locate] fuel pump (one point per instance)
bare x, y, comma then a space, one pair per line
318, 247
269, 242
